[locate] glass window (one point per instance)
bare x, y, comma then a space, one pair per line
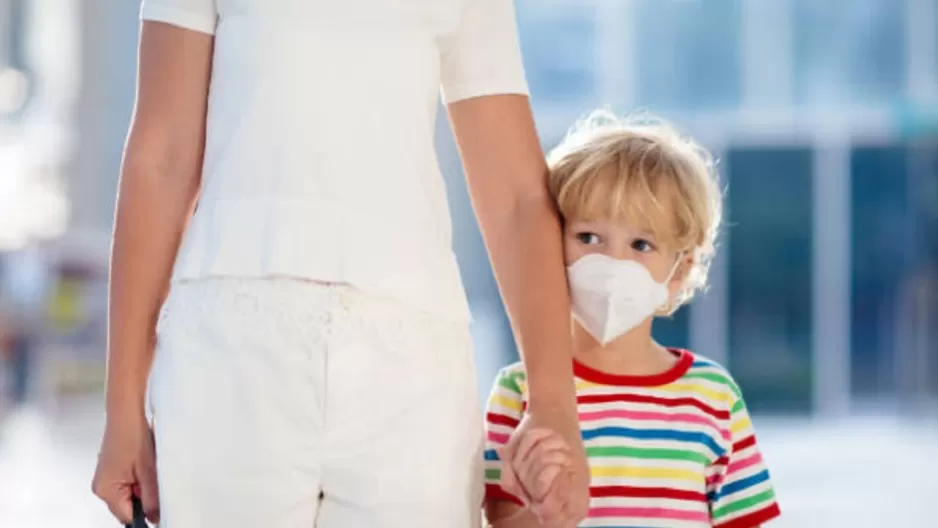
895, 270
769, 295
558, 42
848, 50
688, 53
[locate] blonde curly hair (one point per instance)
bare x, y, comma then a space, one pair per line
641, 170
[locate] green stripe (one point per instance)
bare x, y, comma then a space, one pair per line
766, 496
739, 406
509, 383
637, 452
493, 474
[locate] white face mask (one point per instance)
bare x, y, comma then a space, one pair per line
609, 297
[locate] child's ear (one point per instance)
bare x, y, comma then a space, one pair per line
684, 267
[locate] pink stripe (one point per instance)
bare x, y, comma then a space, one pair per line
740, 465
621, 414
650, 513
714, 480
498, 438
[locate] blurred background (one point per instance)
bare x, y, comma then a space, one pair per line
823, 299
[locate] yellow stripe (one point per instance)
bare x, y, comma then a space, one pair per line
646, 472
742, 424
522, 386
500, 400
690, 388
697, 388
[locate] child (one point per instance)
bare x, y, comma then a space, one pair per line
667, 433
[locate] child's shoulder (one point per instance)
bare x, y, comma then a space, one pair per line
509, 391
712, 372
512, 376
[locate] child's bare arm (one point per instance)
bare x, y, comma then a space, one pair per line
506, 514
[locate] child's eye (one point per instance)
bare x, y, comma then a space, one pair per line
642, 245
590, 239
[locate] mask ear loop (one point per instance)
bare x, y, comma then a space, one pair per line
677, 264
666, 308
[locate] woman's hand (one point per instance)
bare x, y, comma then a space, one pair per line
127, 467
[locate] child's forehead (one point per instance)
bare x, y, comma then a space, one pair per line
635, 210
632, 223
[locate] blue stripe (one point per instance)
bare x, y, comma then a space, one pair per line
705, 363
491, 454
742, 484
655, 434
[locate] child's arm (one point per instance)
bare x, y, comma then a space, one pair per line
507, 514
741, 493
537, 464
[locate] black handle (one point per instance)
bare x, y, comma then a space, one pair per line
139, 520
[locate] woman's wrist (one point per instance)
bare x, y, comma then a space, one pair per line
552, 392
125, 401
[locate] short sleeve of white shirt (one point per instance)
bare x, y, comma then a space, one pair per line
196, 15
483, 57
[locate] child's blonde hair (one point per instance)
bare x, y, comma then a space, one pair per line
643, 171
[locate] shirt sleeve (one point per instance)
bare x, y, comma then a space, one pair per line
739, 489
483, 56
503, 413
195, 15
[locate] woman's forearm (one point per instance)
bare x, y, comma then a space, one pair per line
159, 181
526, 252
152, 210
507, 176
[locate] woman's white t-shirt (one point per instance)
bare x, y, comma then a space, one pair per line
319, 158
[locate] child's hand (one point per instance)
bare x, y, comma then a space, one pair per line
539, 472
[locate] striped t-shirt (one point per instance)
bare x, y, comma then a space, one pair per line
673, 450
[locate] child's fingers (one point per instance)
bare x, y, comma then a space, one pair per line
538, 475
551, 509
519, 448
509, 480
539, 480
551, 444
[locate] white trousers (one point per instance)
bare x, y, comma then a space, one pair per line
278, 403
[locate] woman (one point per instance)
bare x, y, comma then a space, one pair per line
313, 364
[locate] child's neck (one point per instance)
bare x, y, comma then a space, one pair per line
634, 353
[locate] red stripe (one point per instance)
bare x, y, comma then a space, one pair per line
667, 402
722, 461
501, 419
749, 441
494, 491
753, 519
646, 493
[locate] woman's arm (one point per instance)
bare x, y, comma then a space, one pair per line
159, 182
158, 185
506, 172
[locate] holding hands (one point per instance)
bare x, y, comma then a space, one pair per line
548, 472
